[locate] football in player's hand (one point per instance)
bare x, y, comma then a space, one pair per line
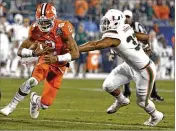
48, 48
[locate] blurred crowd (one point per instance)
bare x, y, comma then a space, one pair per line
85, 15
149, 10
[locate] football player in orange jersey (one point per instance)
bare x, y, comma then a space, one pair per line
59, 48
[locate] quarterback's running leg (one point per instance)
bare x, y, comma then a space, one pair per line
51, 87
37, 75
19, 96
144, 83
114, 80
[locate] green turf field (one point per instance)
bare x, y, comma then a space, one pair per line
81, 105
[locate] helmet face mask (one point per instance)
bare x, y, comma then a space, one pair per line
45, 25
104, 24
45, 16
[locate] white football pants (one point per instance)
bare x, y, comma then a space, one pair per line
123, 74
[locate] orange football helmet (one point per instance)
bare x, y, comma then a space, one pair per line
45, 16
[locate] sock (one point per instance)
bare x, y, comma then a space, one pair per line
120, 97
150, 109
19, 96
14, 102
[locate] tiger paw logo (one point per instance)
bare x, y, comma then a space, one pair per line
59, 31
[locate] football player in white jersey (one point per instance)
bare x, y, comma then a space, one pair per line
136, 66
137, 27
13, 60
166, 54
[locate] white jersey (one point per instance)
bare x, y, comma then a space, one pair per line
24, 34
165, 56
17, 32
129, 49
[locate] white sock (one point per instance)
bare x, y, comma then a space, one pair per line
150, 109
154, 113
120, 97
14, 102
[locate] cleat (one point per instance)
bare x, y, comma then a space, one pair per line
7, 110
34, 107
116, 105
157, 98
153, 121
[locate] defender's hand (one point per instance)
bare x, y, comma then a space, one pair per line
49, 59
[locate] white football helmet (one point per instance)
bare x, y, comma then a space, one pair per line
112, 20
18, 18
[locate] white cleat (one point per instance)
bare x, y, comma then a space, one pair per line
7, 110
116, 105
34, 107
153, 121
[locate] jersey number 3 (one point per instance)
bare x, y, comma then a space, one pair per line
131, 38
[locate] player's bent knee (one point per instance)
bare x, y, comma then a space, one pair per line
27, 85
107, 87
33, 81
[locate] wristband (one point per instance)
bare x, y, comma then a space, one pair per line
26, 52
64, 58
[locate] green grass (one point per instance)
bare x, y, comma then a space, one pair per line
81, 105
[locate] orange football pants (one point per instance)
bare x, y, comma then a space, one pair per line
52, 77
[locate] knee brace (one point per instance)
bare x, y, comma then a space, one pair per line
27, 85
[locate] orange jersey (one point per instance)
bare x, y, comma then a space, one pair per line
54, 38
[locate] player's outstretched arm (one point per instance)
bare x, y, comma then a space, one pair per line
98, 45
142, 37
73, 48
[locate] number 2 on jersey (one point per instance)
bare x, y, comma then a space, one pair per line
131, 38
